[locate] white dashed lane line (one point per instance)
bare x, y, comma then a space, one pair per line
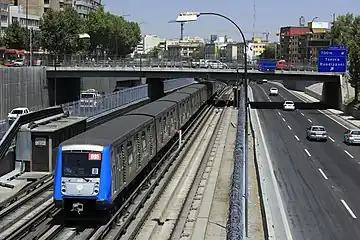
348, 209
297, 138
309, 120
331, 139
307, 152
348, 154
283, 119
289, 127
302, 114
279, 113
323, 174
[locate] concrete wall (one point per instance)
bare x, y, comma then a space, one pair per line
22, 87
105, 84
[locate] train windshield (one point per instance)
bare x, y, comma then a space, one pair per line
81, 164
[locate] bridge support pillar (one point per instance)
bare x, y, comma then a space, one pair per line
155, 88
67, 90
237, 96
331, 94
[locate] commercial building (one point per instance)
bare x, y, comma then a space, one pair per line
235, 52
148, 43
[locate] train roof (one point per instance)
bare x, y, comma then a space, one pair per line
153, 109
198, 86
109, 132
175, 97
188, 90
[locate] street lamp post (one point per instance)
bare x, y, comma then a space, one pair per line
193, 16
80, 36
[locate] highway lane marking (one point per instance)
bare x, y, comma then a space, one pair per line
309, 120
297, 138
283, 119
275, 184
348, 209
307, 152
302, 114
348, 154
323, 174
279, 113
331, 139
289, 127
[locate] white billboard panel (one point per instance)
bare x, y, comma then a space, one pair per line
320, 25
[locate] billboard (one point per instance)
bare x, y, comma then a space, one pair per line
318, 27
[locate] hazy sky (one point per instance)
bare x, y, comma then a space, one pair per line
270, 14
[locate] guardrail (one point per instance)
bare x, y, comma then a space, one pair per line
237, 220
145, 61
108, 102
9, 136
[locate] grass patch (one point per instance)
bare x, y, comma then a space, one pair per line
352, 103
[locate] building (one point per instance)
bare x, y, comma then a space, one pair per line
300, 45
148, 43
183, 49
83, 7
289, 42
217, 48
51, 4
235, 52
258, 46
12, 13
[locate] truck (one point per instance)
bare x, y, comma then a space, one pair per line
90, 98
267, 65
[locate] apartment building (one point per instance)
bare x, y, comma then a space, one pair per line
10, 13
183, 49
300, 45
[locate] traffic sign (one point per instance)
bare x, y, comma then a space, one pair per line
332, 59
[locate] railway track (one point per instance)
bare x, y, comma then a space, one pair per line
165, 218
147, 193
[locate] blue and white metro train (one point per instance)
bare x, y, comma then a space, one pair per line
94, 167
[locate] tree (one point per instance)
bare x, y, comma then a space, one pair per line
346, 31
60, 31
111, 33
15, 36
269, 52
199, 53
155, 52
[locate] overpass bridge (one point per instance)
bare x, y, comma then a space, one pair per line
295, 80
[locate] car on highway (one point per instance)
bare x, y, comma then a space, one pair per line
17, 112
289, 105
316, 133
352, 136
264, 80
214, 64
273, 91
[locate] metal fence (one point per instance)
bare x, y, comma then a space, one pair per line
236, 224
108, 102
144, 61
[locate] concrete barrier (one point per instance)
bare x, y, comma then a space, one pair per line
22, 87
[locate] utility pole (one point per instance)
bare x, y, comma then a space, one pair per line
27, 25
254, 19
31, 50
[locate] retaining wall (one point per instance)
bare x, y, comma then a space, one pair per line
22, 87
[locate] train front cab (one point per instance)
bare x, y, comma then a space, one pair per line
82, 178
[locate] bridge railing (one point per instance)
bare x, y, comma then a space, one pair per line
107, 102
144, 61
237, 220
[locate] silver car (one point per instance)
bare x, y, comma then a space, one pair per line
316, 133
352, 136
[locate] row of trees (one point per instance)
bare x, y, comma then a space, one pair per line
346, 31
60, 30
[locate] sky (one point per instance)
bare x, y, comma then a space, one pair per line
270, 15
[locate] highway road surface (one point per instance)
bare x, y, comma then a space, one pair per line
319, 181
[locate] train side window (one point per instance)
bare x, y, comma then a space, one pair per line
129, 150
143, 140
151, 139
165, 125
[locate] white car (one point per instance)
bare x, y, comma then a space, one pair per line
215, 64
274, 91
289, 105
17, 112
264, 80
352, 136
19, 63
